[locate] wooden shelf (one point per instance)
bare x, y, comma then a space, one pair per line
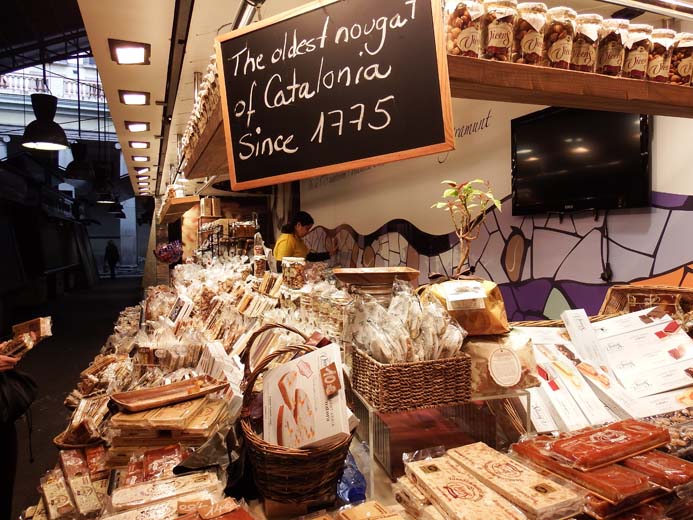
174, 208
516, 83
500, 81
209, 156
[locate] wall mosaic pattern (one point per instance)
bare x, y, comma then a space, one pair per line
543, 264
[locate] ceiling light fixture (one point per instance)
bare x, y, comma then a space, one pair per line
142, 177
44, 133
137, 126
80, 167
140, 158
131, 97
143, 183
104, 198
140, 145
142, 170
129, 53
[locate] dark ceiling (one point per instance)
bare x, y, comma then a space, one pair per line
39, 31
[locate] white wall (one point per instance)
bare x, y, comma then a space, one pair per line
406, 189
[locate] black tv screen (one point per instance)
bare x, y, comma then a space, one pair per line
566, 160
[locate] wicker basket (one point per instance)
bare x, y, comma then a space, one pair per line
290, 475
675, 301
559, 323
399, 387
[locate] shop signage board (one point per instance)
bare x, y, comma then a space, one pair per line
332, 86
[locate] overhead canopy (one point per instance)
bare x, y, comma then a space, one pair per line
33, 32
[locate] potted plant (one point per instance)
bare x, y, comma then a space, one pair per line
467, 203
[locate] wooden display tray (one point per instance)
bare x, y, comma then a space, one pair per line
174, 208
141, 400
374, 275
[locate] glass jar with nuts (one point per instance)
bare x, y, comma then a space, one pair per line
528, 33
497, 28
612, 50
463, 27
681, 60
660, 55
638, 49
585, 43
558, 37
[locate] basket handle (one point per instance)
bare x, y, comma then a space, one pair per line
251, 378
245, 355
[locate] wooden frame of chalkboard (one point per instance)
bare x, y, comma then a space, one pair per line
332, 86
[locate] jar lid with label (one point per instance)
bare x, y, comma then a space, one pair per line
500, 3
684, 39
562, 13
640, 28
615, 24
589, 18
532, 7
664, 37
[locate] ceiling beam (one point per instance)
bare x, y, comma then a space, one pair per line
179, 37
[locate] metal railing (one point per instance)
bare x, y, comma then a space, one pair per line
62, 88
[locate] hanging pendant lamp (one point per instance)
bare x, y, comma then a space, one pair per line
80, 167
44, 133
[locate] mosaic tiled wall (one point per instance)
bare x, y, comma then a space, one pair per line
543, 265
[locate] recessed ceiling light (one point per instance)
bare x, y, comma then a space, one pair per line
138, 144
130, 97
129, 53
140, 158
142, 170
142, 177
143, 183
137, 126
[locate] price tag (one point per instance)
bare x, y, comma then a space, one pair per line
330, 380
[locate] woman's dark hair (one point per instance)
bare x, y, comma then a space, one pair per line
302, 218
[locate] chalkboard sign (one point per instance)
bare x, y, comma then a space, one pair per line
332, 86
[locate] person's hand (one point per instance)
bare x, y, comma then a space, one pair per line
7, 363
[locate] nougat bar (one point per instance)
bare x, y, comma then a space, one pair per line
591, 448
56, 497
613, 482
458, 495
664, 470
532, 492
138, 494
407, 494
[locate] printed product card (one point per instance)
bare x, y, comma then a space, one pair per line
463, 295
583, 336
659, 379
297, 411
647, 348
592, 408
629, 323
540, 412
566, 411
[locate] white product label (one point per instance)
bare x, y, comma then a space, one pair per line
612, 55
531, 43
465, 295
469, 40
636, 61
505, 367
685, 66
584, 54
500, 35
560, 51
656, 67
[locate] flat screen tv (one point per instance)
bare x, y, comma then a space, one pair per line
566, 160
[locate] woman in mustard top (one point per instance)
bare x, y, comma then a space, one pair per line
290, 242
